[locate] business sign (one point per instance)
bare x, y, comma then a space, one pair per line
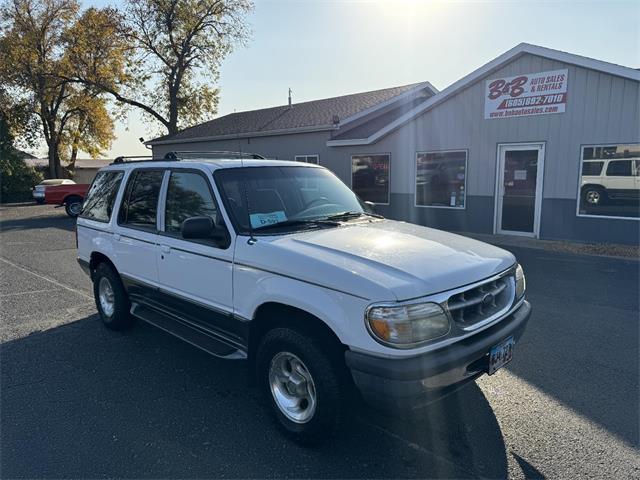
532, 94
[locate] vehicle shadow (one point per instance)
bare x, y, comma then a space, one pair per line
582, 345
61, 221
84, 401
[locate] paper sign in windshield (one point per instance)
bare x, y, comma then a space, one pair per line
262, 219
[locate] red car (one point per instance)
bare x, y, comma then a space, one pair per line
71, 196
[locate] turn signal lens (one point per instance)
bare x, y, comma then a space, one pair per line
407, 325
521, 283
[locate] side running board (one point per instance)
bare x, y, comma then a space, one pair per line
211, 344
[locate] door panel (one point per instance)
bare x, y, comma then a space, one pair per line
136, 238
197, 272
519, 189
195, 275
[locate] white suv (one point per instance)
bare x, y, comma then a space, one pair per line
281, 264
610, 179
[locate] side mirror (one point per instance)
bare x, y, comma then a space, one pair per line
370, 207
198, 228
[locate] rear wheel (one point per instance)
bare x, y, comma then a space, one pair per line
302, 385
111, 298
593, 195
73, 206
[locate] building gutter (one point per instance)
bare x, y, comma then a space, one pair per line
235, 136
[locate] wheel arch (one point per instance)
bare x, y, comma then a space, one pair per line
97, 258
71, 195
273, 314
592, 185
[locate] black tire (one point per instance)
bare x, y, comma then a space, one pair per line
327, 375
119, 318
73, 206
593, 196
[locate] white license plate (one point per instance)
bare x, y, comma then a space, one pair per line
501, 354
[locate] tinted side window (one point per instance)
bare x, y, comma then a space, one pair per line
188, 196
140, 204
98, 204
619, 168
592, 168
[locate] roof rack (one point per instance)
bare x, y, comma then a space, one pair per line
133, 158
211, 155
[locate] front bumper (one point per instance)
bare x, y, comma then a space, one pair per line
410, 383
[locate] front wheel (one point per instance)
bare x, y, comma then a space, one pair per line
73, 206
301, 384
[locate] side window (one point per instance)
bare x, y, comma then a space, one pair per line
98, 204
619, 168
592, 168
140, 205
188, 195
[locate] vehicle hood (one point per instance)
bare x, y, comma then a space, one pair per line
383, 259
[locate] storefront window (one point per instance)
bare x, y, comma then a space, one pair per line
307, 159
440, 179
370, 177
610, 181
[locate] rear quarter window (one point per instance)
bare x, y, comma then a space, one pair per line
101, 196
592, 168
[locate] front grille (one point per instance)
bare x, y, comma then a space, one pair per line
481, 302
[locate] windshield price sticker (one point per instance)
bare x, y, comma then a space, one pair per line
533, 94
262, 219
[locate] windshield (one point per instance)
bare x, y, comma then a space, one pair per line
290, 196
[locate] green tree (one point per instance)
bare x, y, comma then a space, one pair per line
16, 177
160, 56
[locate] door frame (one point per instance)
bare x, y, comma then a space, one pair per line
499, 187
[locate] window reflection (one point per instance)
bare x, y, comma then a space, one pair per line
610, 181
101, 196
370, 177
440, 179
188, 196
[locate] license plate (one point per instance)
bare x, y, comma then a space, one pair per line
501, 354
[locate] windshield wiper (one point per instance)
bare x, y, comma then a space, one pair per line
348, 215
296, 223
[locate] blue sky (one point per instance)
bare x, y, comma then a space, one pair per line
324, 48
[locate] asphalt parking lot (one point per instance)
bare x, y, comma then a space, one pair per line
80, 401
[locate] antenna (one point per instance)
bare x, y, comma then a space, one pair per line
289, 97
252, 239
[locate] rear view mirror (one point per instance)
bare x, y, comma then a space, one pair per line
204, 228
198, 228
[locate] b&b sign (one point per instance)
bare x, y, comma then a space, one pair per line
533, 94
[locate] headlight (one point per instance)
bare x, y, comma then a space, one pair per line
405, 326
521, 283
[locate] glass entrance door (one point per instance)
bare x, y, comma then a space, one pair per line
519, 192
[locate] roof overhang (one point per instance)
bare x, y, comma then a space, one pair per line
233, 136
517, 51
314, 128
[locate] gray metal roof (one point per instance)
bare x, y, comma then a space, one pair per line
316, 113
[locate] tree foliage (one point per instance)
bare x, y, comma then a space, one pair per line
161, 56
34, 69
16, 177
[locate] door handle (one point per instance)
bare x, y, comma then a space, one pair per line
117, 237
165, 249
